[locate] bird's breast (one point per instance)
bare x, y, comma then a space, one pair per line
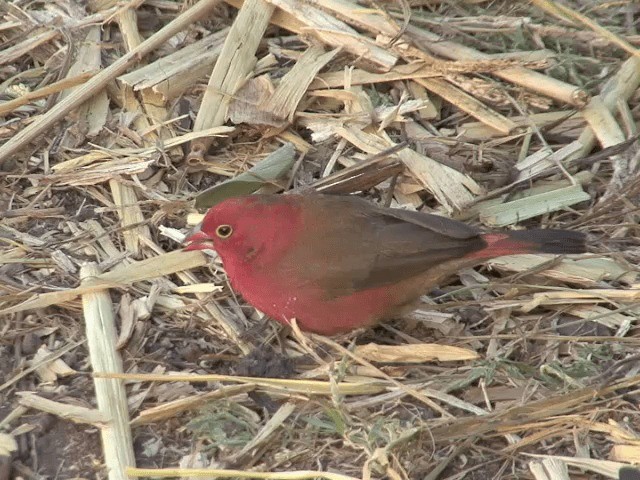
278, 297
284, 298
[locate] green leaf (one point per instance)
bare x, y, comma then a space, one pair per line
267, 172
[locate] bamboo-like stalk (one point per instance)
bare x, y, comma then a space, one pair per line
524, 208
404, 72
467, 103
481, 131
219, 473
75, 413
176, 407
69, 82
151, 111
92, 114
549, 469
288, 385
606, 468
234, 64
111, 396
130, 213
152, 107
11, 54
618, 88
294, 84
414, 353
586, 272
171, 75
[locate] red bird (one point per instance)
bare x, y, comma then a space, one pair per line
338, 263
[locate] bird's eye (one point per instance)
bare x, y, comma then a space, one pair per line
224, 231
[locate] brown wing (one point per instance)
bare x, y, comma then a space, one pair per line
352, 245
410, 243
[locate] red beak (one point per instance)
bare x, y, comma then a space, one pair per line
198, 241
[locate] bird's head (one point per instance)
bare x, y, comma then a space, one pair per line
240, 228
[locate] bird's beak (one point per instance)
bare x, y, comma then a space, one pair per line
198, 241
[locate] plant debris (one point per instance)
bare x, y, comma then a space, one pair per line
125, 356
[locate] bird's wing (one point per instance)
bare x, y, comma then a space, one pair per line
366, 247
410, 243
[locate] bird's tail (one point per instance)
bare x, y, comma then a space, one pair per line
532, 241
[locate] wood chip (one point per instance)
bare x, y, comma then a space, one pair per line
414, 353
117, 441
282, 104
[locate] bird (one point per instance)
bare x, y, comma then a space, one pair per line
336, 263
